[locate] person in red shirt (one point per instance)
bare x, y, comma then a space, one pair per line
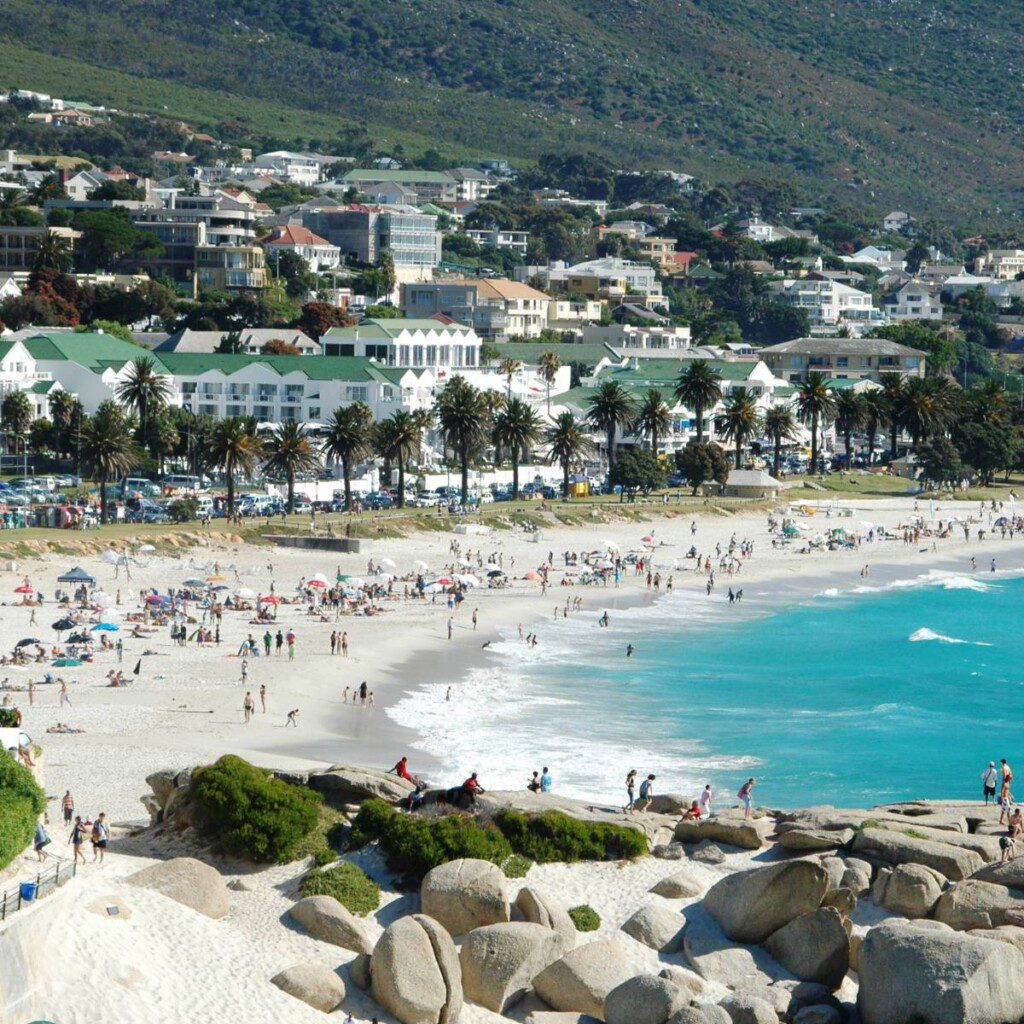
471, 787
693, 814
402, 769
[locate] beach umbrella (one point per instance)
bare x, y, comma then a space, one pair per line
77, 575
468, 580
496, 572
26, 642
318, 577
465, 562
245, 593
421, 565
649, 539
107, 627
157, 599
110, 557
604, 563
389, 562
385, 577
445, 581
194, 581
357, 582
67, 662
611, 544
271, 599
79, 638
216, 578
25, 589
61, 624
433, 588
317, 583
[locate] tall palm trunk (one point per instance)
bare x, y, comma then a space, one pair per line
654, 441
229, 472
849, 453
464, 466
290, 477
611, 449
777, 457
893, 432
103, 500
401, 482
346, 475
872, 430
515, 476
698, 413
739, 451
814, 444
565, 479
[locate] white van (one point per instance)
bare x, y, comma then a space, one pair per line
204, 506
12, 738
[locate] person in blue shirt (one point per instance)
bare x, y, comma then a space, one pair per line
545, 781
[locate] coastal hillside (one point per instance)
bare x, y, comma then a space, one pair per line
852, 101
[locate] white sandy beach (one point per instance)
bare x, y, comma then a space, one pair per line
186, 705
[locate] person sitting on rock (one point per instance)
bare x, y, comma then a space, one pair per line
694, 812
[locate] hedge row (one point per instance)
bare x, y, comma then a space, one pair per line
21, 803
413, 845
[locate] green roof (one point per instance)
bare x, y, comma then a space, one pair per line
656, 372
353, 368
389, 328
530, 352
43, 387
372, 174
580, 398
96, 352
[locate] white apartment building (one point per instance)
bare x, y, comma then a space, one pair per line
298, 168
1000, 264
827, 302
655, 341
420, 344
914, 301
498, 238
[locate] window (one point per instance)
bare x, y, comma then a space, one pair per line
842, 361
431, 355
417, 355
314, 412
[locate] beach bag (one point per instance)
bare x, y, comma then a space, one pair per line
742, 794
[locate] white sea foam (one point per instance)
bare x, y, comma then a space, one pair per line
924, 633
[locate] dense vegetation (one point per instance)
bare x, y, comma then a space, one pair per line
856, 97
347, 883
414, 844
585, 917
21, 803
252, 814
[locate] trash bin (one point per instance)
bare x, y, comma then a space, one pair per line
28, 891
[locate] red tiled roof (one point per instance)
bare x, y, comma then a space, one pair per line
292, 234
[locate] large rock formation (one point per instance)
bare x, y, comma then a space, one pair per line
801, 840
582, 979
814, 946
500, 961
465, 894
540, 908
658, 926
682, 885
326, 919
346, 784
415, 974
750, 905
896, 848
189, 882
746, 834
645, 999
977, 904
909, 889
314, 983
923, 971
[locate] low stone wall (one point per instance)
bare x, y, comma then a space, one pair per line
350, 545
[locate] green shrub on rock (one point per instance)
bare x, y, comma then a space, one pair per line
21, 803
585, 917
252, 814
554, 837
348, 884
517, 866
8, 718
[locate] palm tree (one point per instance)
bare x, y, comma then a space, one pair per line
108, 449
739, 419
779, 425
653, 417
348, 440
851, 414
508, 368
612, 407
462, 415
518, 429
16, 417
892, 387
926, 406
817, 406
699, 387
54, 253
62, 404
567, 443
399, 438
494, 402
876, 410
235, 449
549, 364
289, 451
143, 388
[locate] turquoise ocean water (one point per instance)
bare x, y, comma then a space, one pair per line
850, 697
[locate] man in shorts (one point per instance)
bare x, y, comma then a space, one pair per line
100, 836
989, 780
646, 793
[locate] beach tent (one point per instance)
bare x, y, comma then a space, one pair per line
389, 562
77, 575
26, 642
61, 624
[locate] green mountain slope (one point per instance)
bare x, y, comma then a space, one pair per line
878, 102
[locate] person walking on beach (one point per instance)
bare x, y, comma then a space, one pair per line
630, 789
76, 839
68, 806
705, 801
989, 778
746, 796
334, 641
267, 638
65, 697
344, 645
474, 617
100, 837
291, 645
292, 718
363, 691
1005, 796
263, 697
646, 793
248, 706
278, 643
449, 627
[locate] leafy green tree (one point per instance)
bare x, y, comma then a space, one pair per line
348, 439
235, 449
15, 418
462, 416
893, 387
739, 419
940, 461
637, 470
816, 406
988, 448
117, 190
144, 389
927, 406
518, 428
701, 461
939, 348
851, 414
612, 407
653, 418
288, 451
161, 435
568, 444
398, 439
62, 404
108, 451
876, 415
699, 387
780, 426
